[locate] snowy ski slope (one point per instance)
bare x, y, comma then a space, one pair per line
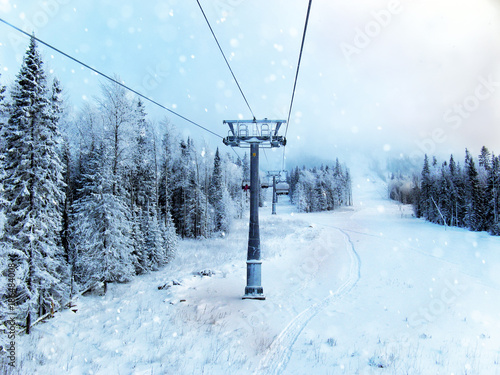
366, 289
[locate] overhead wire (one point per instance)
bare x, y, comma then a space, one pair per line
110, 78
225, 59
229, 66
296, 77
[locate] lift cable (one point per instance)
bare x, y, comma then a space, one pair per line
298, 65
296, 77
110, 79
225, 59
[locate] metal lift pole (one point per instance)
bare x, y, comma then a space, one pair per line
274, 174
254, 134
254, 289
275, 200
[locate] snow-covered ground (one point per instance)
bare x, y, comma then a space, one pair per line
363, 290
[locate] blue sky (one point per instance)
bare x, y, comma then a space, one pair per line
384, 77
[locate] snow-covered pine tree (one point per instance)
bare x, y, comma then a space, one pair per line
425, 203
474, 196
143, 192
89, 132
191, 211
140, 256
348, 187
485, 158
2, 96
319, 201
484, 173
3, 115
304, 191
494, 187
179, 180
3, 111
101, 226
3, 252
102, 231
245, 164
216, 195
294, 181
155, 241
34, 190
118, 116
56, 113
166, 166
233, 176
143, 176
444, 198
169, 234
167, 226
339, 184
200, 216
262, 197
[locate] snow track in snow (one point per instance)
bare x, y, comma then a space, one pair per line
280, 350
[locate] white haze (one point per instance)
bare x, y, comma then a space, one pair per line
414, 64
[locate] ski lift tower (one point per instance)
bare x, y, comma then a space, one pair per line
274, 174
254, 134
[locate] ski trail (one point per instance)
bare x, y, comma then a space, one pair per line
279, 352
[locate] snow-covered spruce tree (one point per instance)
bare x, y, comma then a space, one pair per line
303, 193
425, 203
150, 251
293, 180
56, 113
4, 253
142, 188
216, 195
101, 226
143, 172
233, 176
102, 234
167, 226
494, 187
191, 211
475, 209
33, 190
319, 201
3, 115
169, 146
201, 213
179, 181
169, 234
446, 194
456, 195
485, 172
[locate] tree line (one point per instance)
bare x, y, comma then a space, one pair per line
320, 189
450, 194
97, 198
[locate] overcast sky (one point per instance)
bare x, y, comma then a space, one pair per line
378, 76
